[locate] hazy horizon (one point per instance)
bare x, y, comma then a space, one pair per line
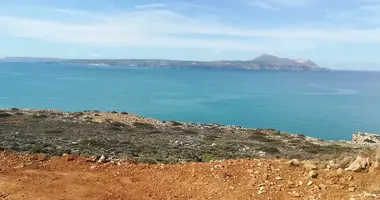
334, 35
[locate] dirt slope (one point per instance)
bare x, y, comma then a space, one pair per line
68, 177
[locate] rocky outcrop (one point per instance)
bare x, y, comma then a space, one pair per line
359, 164
369, 139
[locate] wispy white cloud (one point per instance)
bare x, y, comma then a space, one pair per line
163, 28
275, 5
362, 15
175, 6
367, 12
150, 6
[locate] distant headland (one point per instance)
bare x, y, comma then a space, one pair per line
263, 62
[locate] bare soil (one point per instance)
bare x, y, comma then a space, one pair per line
69, 177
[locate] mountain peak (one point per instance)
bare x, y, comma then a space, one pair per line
266, 57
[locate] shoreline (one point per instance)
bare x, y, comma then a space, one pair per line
125, 135
196, 124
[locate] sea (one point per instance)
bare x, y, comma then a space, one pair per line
331, 105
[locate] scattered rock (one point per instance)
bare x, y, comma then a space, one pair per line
369, 139
265, 176
377, 158
70, 157
278, 178
359, 164
296, 194
329, 182
92, 159
310, 165
294, 162
332, 165
339, 171
310, 183
351, 189
338, 186
322, 186
313, 174
261, 190
345, 162
102, 159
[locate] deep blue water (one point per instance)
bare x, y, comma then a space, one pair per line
328, 105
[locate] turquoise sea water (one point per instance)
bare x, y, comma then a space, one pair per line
328, 105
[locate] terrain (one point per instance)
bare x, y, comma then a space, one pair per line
263, 62
69, 177
48, 154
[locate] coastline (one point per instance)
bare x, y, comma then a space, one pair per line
125, 135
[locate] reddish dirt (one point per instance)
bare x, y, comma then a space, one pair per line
40, 177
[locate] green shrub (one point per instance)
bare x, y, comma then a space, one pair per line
54, 131
143, 125
175, 123
40, 116
118, 124
270, 150
259, 137
5, 115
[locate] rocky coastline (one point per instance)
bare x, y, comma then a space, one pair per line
125, 135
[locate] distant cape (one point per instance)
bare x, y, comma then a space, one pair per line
263, 62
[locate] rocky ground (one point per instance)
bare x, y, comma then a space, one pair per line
97, 155
69, 177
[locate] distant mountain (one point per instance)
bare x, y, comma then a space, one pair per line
263, 62
276, 62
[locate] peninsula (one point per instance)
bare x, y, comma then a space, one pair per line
263, 62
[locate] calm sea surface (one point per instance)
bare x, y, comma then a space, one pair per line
328, 105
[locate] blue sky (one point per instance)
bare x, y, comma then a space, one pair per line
333, 33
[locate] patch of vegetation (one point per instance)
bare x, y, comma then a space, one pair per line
211, 137
259, 137
5, 115
369, 141
116, 123
54, 131
189, 132
175, 123
270, 150
40, 116
143, 125
94, 142
149, 143
154, 132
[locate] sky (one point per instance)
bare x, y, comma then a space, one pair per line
339, 34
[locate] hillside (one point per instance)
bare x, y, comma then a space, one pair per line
148, 140
264, 62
